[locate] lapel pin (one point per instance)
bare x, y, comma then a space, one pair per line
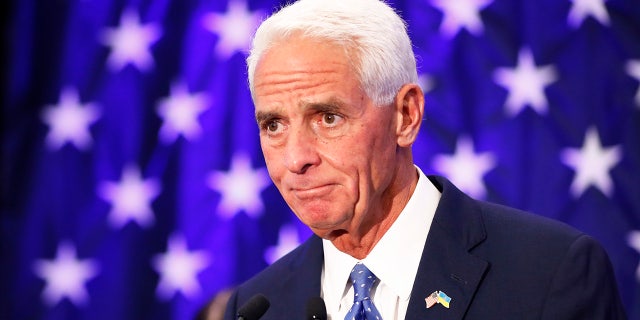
437, 297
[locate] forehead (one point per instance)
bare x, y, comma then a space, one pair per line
298, 45
296, 62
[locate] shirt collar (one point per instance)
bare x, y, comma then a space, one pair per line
397, 255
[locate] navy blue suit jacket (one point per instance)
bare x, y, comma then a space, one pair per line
494, 262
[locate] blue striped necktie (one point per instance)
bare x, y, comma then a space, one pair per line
363, 309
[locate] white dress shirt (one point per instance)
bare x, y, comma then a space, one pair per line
394, 259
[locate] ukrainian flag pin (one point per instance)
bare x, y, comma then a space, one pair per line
437, 297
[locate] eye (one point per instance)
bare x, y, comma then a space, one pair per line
272, 126
331, 119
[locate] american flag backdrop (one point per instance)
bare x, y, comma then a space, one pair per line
133, 184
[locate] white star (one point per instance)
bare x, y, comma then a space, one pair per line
240, 187
234, 28
130, 198
458, 14
178, 269
65, 276
525, 84
466, 168
580, 9
633, 69
592, 164
633, 239
180, 113
130, 43
287, 241
69, 121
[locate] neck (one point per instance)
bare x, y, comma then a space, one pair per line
378, 219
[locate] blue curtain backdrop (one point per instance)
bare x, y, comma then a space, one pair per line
133, 185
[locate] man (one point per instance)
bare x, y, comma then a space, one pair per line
338, 107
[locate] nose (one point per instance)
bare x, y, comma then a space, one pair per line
301, 152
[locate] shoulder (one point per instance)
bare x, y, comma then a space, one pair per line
517, 223
520, 238
286, 266
534, 262
486, 221
288, 283
509, 239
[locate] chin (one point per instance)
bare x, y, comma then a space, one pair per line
321, 215
328, 234
323, 225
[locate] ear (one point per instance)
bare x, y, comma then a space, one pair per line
409, 105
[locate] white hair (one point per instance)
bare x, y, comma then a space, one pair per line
370, 31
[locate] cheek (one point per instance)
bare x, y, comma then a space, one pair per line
274, 167
376, 157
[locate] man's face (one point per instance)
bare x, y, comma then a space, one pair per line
328, 148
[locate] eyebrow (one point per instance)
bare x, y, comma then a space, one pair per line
332, 105
263, 116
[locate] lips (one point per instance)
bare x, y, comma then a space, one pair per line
307, 193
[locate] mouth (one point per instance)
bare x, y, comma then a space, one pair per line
308, 193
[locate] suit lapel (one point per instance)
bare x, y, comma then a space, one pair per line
446, 264
303, 281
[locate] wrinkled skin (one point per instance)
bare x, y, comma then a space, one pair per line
341, 162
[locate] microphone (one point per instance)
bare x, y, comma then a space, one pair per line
254, 308
316, 309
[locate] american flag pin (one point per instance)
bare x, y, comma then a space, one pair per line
432, 299
437, 297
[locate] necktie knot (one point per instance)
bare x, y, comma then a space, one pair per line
362, 280
363, 308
